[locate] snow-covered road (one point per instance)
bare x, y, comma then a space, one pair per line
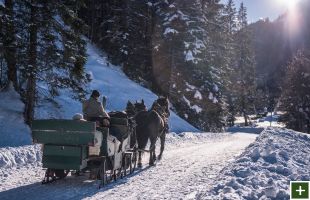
189, 166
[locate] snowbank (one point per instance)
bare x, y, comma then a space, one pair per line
266, 168
13, 130
19, 156
111, 82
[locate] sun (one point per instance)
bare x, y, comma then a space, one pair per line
289, 4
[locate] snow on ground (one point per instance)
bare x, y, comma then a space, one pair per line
265, 169
263, 121
190, 165
19, 156
113, 83
13, 130
269, 121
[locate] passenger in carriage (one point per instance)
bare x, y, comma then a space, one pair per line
94, 111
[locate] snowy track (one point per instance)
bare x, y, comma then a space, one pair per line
189, 166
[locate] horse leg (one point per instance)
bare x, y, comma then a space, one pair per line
162, 145
140, 160
152, 153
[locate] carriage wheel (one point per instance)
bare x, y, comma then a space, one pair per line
49, 176
133, 162
102, 173
126, 162
61, 173
122, 170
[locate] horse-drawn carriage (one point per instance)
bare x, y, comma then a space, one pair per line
81, 146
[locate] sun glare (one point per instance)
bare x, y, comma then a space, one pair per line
289, 4
293, 26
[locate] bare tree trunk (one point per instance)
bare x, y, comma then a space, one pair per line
31, 83
91, 31
1, 72
172, 81
244, 112
10, 43
30, 98
246, 123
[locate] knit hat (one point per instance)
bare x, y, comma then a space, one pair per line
95, 93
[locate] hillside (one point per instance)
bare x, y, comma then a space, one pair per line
108, 79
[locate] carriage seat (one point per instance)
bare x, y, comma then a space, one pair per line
119, 125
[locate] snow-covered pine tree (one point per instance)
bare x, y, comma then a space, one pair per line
180, 47
123, 29
215, 64
176, 52
9, 41
51, 53
230, 28
139, 49
167, 46
74, 49
113, 33
2, 61
295, 99
244, 72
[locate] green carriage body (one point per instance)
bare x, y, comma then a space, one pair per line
67, 143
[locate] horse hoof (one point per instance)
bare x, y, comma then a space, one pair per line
159, 158
140, 165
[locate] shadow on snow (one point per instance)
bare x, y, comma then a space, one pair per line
69, 188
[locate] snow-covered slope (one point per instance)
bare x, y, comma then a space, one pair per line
265, 169
13, 131
108, 79
113, 83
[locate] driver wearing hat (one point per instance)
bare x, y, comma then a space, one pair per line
93, 109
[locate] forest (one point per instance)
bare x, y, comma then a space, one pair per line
204, 55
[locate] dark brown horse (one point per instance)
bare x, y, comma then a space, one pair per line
151, 125
161, 106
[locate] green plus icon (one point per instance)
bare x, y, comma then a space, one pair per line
300, 190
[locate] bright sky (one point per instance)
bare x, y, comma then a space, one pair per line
263, 8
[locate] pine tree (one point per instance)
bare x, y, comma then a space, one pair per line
244, 75
295, 99
2, 64
215, 64
50, 52
139, 36
123, 29
230, 29
9, 42
191, 56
